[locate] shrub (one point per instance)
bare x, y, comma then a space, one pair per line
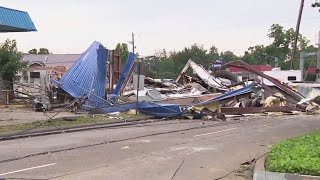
297, 155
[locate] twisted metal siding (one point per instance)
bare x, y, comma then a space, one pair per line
87, 77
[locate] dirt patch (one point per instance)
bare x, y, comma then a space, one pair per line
13, 115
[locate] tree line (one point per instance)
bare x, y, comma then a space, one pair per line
164, 64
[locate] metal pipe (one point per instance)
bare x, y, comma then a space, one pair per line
138, 84
318, 60
283, 87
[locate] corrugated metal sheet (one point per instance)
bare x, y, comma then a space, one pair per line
216, 83
87, 77
148, 108
12, 20
231, 94
125, 73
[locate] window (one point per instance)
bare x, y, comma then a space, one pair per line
292, 78
34, 74
245, 76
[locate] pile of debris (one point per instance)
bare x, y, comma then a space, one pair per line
215, 92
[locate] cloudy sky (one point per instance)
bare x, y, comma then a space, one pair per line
69, 26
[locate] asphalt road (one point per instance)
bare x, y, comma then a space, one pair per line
176, 149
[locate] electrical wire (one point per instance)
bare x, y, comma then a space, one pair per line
49, 119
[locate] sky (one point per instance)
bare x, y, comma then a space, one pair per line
70, 26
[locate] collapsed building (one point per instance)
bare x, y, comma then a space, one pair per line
97, 82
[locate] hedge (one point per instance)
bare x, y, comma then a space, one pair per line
299, 155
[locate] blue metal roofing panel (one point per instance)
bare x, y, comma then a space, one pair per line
161, 110
124, 74
148, 108
87, 77
230, 94
12, 20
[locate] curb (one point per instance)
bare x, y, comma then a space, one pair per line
69, 129
260, 173
259, 165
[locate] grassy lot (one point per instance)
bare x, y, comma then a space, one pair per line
297, 155
60, 122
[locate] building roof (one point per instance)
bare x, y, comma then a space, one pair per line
312, 70
255, 67
52, 60
12, 20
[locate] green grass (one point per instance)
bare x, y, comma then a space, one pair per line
90, 119
297, 155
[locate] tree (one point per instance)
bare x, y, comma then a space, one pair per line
213, 53
283, 41
33, 51
151, 63
124, 51
228, 56
281, 48
316, 5
256, 55
196, 52
10, 60
169, 65
43, 51
166, 69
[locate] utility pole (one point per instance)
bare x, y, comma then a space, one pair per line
137, 70
318, 60
133, 47
297, 34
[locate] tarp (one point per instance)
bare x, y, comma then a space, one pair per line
87, 77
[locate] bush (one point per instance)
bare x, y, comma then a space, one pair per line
297, 155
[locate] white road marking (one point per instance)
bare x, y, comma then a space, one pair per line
176, 149
125, 147
27, 169
143, 141
214, 132
199, 149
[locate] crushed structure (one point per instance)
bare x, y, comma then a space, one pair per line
94, 83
